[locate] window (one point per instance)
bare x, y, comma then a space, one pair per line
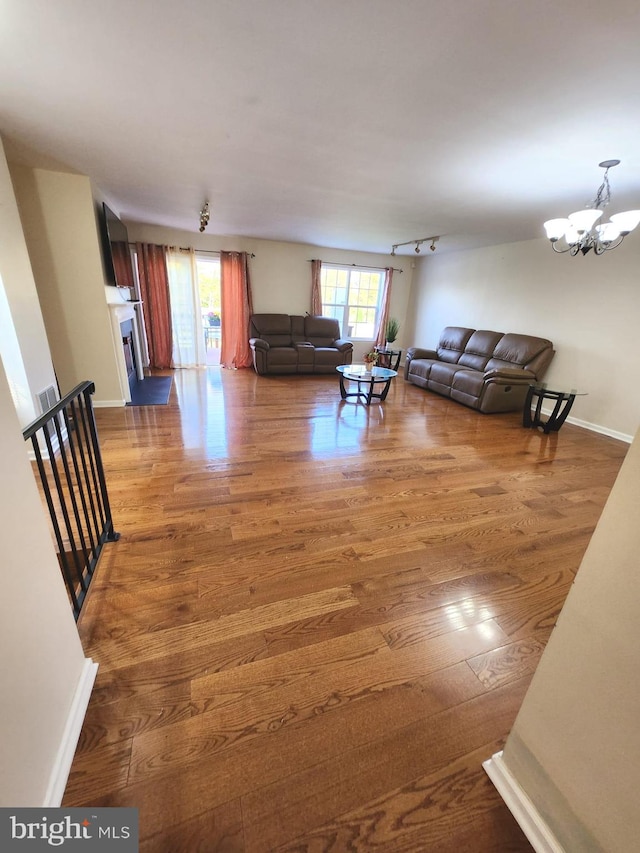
352, 295
208, 271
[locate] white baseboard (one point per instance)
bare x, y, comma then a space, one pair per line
70, 736
612, 433
527, 816
108, 404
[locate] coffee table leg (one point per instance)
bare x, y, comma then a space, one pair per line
343, 390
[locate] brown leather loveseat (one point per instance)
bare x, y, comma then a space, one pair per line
489, 371
288, 343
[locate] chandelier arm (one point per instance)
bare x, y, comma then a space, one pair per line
611, 246
560, 251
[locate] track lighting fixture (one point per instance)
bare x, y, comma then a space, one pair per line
418, 243
204, 216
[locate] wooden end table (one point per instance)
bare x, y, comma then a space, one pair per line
389, 358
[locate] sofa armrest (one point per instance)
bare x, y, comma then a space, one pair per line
418, 352
342, 345
511, 375
258, 343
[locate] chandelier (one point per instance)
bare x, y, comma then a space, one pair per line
579, 230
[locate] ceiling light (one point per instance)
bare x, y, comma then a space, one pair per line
418, 243
580, 232
204, 216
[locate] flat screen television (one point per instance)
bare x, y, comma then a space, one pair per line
117, 257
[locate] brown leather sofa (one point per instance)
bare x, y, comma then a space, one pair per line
489, 371
288, 343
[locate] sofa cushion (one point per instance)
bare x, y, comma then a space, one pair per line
282, 355
275, 329
479, 349
517, 350
443, 373
468, 382
452, 343
328, 356
297, 327
321, 331
421, 367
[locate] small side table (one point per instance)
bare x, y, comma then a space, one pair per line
389, 358
563, 401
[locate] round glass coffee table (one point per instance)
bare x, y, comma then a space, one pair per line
366, 379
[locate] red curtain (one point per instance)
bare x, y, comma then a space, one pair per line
381, 331
156, 305
237, 307
316, 290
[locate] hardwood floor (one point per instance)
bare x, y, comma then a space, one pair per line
321, 618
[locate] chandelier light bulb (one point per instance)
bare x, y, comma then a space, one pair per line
608, 232
626, 221
556, 228
583, 220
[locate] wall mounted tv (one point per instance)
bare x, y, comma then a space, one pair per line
117, 257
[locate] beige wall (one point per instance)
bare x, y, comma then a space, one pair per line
281, 273
575, 745
58, 217
42, 659
588, 306
24, 349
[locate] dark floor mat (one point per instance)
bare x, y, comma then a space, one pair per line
151, 391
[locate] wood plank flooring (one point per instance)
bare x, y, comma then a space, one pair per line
321, 618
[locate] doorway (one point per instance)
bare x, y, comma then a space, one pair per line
208, 271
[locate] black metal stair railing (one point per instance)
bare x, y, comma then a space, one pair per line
73, 486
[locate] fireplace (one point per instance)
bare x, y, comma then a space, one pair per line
129, 344
129, 358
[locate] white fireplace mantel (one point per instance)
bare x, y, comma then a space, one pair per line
122, 310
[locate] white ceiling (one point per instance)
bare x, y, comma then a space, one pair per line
345, 123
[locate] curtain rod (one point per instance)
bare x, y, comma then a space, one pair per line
209, 251
202, 251
360, 266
